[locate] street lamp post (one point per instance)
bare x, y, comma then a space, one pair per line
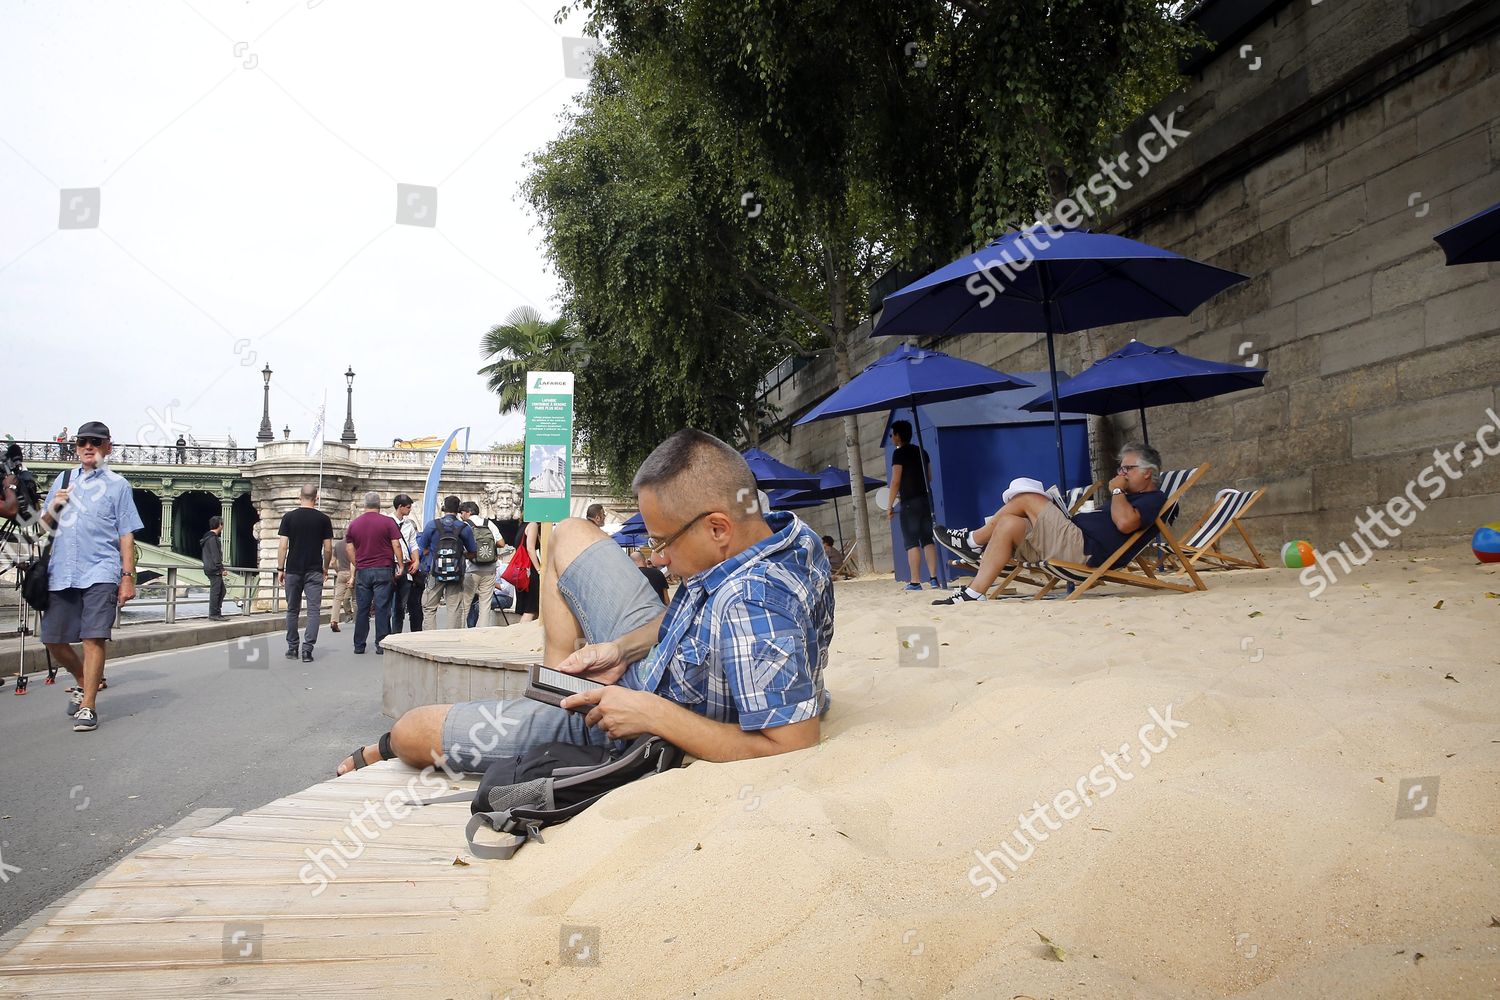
286, 433
348, 436
265, 433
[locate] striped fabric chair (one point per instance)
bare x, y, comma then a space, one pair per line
1202, 544
1117, 568
1011, 572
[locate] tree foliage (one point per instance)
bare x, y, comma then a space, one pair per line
864, 136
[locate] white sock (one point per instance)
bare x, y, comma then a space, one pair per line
974, 541
974, 595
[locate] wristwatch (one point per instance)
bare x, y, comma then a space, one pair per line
1116, 491
131, 574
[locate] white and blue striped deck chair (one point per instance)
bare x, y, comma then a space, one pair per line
1011, 573
1116, 568
1202, 543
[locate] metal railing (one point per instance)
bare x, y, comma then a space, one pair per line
143, 454
252, 589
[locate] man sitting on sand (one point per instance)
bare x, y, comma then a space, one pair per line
733, 669
1031, 527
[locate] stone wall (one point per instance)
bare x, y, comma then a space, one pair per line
1366, 127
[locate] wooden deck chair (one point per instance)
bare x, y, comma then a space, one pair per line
1117, 568
1202, 543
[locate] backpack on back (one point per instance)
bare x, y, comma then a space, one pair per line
484, 543
448, 554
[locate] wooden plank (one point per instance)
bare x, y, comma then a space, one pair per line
337, 978
262, 902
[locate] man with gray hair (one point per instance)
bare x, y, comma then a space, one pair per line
302, 558
733, 669
1032, 528
375, 549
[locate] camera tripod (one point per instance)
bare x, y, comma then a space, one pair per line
14, 537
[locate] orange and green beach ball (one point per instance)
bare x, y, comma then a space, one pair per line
1486, 543
1298, 554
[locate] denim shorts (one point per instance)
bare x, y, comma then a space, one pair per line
916, 521
80, 613
609, 596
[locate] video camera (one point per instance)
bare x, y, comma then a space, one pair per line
20, 499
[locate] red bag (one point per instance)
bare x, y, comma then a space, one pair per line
518, 573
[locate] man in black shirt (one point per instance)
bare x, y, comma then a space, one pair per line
657, 579
213, 567
302, 557
1033, 528
911, 479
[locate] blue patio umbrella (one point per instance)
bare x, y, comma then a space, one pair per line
833, 483
793, 499
632, 533
908, 377
1474, 240
771, 474
1139, 375
1051, 281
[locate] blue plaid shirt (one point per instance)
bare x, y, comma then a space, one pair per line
747, 640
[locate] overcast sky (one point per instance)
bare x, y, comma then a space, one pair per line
247, 155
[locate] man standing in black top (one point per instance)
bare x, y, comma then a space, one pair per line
302, 557
213, 568
911, 477
654, 576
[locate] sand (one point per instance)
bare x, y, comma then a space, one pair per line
1256, 853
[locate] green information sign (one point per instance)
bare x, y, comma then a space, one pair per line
548, 486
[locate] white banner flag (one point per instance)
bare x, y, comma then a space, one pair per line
315, 442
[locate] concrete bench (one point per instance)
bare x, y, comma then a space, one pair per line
443, 666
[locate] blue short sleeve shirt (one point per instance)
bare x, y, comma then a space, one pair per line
86, 548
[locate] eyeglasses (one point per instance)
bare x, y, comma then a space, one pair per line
1127, 468
657, 546
91, 442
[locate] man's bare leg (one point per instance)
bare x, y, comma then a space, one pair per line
417, 738
561, 631
932, 557
1007, 529
1021, 503
93, 670
64, 654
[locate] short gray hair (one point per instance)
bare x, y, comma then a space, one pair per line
372, 500
694, 469
1149, 456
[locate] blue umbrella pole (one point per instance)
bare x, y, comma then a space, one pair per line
938, 567
1062, 475
1145, 438
837, 524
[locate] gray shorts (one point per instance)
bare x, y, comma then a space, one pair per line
80, 613
609, 596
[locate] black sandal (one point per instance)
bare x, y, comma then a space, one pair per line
383, 747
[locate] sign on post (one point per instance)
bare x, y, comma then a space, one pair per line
548, 489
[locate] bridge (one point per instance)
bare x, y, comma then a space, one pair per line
177, 489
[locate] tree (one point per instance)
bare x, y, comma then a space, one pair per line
871, 135
525, 342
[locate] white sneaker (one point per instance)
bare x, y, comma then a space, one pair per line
85, 721
75, 699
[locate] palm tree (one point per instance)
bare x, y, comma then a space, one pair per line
526, 342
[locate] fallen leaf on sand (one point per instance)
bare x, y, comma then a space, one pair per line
1438, 606
1492, 595
1057, 952
1494, 921
1450, 677
1417, 957
1381, 780
459, 862
1257, 614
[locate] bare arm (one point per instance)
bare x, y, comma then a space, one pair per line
281, 556
327, 553
127, 566
1127, 519
606, 661
890, 508
625, 714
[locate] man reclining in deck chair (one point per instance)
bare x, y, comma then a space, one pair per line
1031, 528
733, 669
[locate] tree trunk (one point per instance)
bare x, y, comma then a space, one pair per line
838, 299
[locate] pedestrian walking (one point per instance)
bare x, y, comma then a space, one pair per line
401, 602
92, 569
375, 547
479, 580
343, 585
446, 546
303, 555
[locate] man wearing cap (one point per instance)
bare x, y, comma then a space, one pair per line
92, 570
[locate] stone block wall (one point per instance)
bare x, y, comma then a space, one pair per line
1323, 174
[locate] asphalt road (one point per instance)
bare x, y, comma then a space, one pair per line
229, 724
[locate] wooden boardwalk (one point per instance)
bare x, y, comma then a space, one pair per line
236, 909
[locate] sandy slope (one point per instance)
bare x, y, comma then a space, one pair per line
1256, 853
